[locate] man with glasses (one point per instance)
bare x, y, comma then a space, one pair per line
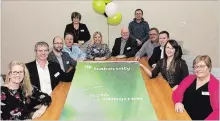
60, 57
148, 47
44, 74
139, 29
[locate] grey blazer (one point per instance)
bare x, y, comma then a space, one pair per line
67, 60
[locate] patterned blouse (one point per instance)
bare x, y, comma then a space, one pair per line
15, 106
98, 50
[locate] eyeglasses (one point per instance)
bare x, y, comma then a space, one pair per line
58, 43
200, 66
17, 72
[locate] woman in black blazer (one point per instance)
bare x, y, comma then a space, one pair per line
172, 67
79, 30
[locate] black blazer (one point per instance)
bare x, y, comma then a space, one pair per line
129, 50
54, 69
155, 56
83, 32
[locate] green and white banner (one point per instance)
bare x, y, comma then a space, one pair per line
108, 91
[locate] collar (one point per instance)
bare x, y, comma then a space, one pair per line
39, 64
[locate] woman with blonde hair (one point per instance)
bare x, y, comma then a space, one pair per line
19, 97
98, 50
198, 94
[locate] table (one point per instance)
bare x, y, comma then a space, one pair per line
158, 89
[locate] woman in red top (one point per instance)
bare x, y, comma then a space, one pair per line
199, 94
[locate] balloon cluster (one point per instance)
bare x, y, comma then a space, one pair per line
109, 10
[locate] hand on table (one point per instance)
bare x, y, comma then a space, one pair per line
137, 58
39, 112
120, 56
153, 66
139, 43
179, 107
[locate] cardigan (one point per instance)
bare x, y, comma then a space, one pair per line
82, 32
213, 88
181, 71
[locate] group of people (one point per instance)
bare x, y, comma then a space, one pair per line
29, 86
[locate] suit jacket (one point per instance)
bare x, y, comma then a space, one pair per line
155, 56
129, 50
54, 68
83, 32
67, 60
213, 88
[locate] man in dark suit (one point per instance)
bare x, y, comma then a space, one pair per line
46, 74
124, 46
60, 57
159, 51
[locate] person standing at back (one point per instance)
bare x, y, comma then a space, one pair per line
139, 28
79, 30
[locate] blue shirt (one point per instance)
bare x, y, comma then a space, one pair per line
75, 53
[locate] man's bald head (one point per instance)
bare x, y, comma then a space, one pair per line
125, 33
57, 37
58, 43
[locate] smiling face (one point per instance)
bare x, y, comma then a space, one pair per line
201, 69
42, 52
163, 38
153, 35
97, 38
169, 50
16, 74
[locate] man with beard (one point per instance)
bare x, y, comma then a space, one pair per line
60, 57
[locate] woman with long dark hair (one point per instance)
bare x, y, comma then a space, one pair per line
172, 67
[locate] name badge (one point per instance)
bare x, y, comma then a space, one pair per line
128, 48
82, 30
205, 93
57, 74
67, 62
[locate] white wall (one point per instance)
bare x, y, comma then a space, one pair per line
219, 28
26, 22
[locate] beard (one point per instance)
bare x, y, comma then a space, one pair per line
58, 49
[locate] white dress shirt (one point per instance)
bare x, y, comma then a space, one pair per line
162, 51
44, 77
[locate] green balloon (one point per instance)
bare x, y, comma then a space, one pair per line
99, 6
107, 1
116, 19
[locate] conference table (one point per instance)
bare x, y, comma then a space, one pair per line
158, 89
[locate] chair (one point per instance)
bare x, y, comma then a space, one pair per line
189, 61
216, 72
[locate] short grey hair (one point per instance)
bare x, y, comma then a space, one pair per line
41, 43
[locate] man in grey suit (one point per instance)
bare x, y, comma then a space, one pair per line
60, 57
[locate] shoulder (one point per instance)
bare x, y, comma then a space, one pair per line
157, 48
51, 54
82, 25
132, 22
30, 64
145, 22
118, 39
4, 89
214, 81
69, 25
65, 53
